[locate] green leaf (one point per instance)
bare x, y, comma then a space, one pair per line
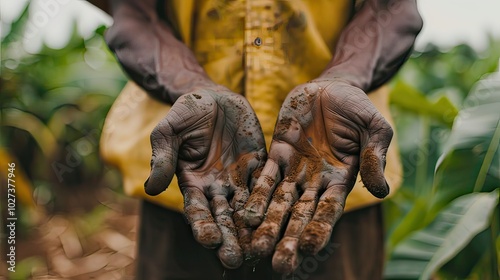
477, 260
426, 250
16, 29
413, 220
471, 159
100, 30
411, 99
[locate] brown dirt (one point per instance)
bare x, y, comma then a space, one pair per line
95, 245
283, 125
245, 240
205, 230
279, 195
317, 233
293, 103
263, 240
286, 260
372, 174
256, 173
189, 102
270, 181
207, 234
314, 238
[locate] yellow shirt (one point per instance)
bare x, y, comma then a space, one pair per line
259, 48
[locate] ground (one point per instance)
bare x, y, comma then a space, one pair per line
100, 244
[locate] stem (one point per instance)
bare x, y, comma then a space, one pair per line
421, 173
488, 158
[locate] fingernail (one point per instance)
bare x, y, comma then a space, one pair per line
262, 247
151, 189
231, 258
252, 218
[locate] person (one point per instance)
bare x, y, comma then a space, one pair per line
304, 77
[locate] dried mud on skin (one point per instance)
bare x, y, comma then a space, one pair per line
306, 235
371, 175
244, 233
207, 233
285, 259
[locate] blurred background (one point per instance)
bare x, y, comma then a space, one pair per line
58, 81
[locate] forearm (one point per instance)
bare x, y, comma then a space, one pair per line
149, 52
375, 44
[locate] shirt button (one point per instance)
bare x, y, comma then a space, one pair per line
213, 14
257, 41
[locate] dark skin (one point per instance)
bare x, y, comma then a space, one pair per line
327, 132
214, 158
211, 138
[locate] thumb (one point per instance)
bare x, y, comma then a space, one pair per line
372, 159
165, 148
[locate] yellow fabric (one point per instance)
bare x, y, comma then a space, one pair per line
297, 39
21, 183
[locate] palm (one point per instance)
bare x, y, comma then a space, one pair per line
212, 140
324, 131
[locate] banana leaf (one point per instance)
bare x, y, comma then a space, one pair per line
426, 250
471, 159
411, 99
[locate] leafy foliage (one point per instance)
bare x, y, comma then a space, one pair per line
473, 147
424, 251
53, 104
412, 100
465, 160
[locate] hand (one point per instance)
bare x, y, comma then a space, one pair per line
327, 131
212, 140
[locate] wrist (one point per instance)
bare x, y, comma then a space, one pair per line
186, 81
168, 88
346, 75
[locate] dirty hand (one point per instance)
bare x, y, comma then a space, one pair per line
213, 142
327, 131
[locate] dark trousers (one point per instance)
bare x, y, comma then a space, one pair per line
167, 250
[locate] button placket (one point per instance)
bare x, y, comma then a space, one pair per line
259, 41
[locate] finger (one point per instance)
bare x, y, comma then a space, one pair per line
287, 256
246, 172
238, 201
317, 233
242, 179
256, 168
164, 160
166, 139
266, 236
244, 234
373, 159
196, 210
229, 252
256, 206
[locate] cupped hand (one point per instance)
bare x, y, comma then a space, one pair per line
327, 131
212, 140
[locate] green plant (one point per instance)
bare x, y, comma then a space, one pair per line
428, 249
466, 160
53, 105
